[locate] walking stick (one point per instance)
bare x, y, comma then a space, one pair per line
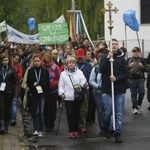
61, 107
110, 10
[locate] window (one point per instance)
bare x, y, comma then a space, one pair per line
145, 11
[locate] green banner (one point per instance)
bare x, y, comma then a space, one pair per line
53, 33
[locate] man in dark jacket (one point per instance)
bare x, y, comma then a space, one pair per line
137, 67
120, 74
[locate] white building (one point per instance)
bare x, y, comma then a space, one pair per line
142, 8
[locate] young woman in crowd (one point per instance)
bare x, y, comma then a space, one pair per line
18, 68
51, 107
38, 83
8, 90
66, 91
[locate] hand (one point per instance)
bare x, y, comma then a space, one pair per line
86, 85
141, 65
35, 84
131, 64
63, 96
110, 54
112, 78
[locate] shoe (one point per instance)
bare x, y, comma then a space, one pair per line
140, 109
71, 135
83, 130
35, 133
101, 133
107, 134
76, 134
47, 129
40, 134
135, 111
13, 123
118, 138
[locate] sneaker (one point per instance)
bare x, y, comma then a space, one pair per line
40, 134
135, 111
83, 130
140, 109
148, 108
118, 138
107, 134
76, 134
35, 133
13, 123
71, 135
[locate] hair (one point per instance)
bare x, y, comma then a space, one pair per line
47, 58
35, 56
70, 59
5, 55
54, 51
114, 40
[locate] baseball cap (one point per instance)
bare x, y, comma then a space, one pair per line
79, 52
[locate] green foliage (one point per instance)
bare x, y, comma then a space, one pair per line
16, 13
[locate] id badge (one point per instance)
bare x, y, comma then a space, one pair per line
39, 89
2, 86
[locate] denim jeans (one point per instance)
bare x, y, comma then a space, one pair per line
107, 111
37, 109
137, 91
13, 109
98, 103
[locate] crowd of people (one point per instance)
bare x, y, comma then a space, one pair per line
42, 77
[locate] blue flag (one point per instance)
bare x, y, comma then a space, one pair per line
31, 24
130, 20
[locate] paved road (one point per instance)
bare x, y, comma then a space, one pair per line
136, 134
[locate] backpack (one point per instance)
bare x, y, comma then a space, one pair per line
135, 70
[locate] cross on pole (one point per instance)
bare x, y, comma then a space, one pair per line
110, 21
110, 10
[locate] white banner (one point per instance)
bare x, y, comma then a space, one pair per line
60, 19
18, 37
3, 26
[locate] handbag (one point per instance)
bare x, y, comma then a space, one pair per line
78, 94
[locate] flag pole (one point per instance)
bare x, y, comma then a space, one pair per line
139, 42
110, 10
126, 40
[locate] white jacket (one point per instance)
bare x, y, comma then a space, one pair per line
65, 85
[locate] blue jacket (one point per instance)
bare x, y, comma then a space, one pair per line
120, 71
95, 79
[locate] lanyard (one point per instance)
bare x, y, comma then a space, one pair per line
4, 72
38, 76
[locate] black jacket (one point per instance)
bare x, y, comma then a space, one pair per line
120, 71
44, 81
10, 80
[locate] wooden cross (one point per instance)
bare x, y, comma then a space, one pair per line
110, 10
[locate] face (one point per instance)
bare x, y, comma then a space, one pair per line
136, 53
5, 61
85, 42
71, 65
68, 50
115, 46
15, 59
80, 59
55, 55
37, 62
88, 55
20, 52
